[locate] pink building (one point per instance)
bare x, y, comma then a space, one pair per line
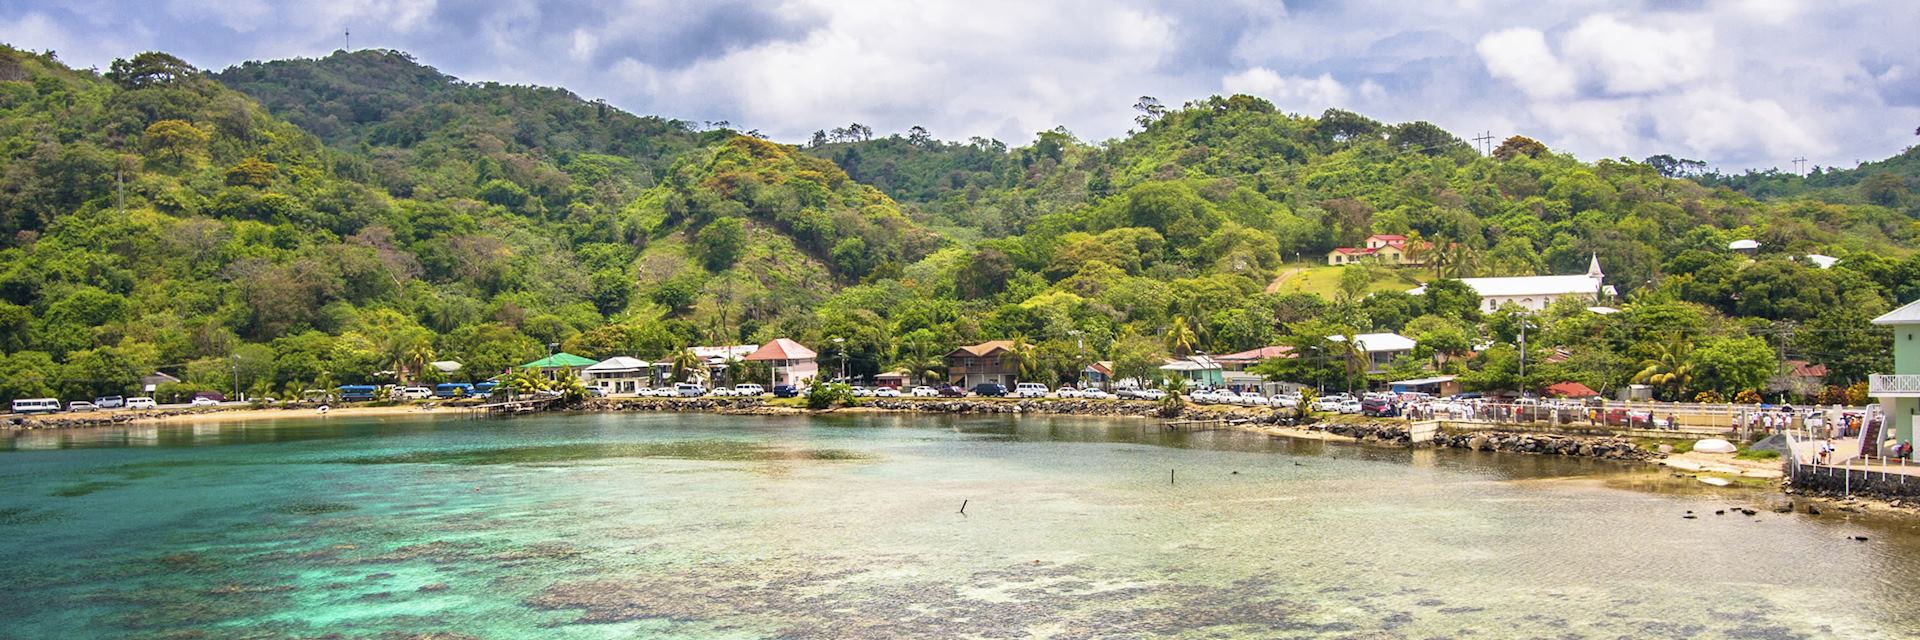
791, 363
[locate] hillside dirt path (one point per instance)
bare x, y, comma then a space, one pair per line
1274, 287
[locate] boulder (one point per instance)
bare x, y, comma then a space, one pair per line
1714, 445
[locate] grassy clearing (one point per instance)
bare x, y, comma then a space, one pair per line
1324, 280
1757, 454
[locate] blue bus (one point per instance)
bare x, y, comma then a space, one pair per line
484, 389
452, 390
358, 392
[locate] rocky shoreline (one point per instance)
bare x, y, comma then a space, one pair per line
1605, 447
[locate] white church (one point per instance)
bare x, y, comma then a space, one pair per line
1536, 292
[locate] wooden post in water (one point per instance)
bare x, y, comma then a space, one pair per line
1169, 477
963, 507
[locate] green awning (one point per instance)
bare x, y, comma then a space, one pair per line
559, 360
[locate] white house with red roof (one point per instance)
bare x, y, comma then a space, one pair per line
1381, 248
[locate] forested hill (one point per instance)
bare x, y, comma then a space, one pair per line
152, 218
424, 130
314, 222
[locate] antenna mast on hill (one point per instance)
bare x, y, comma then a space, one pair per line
349, 35
1799, 166
1486, 143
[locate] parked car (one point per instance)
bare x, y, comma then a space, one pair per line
1290, 402
923, 391
202, 401
951, 391
484, 389
142, 402
1029, 390
109, 402
357, 392
1379, 407
81, 405
688, 390
749, 389
989, 389
1350, 406
404, 393
886, 392
860, 391
1153, 394
785, 391
1253, 399
36, 405
1067, 391
1095, 394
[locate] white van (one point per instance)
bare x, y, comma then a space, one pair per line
1029, 390
748, 390
414, 393
688, 390
36, 405
140, 403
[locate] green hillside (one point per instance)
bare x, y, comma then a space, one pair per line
314, 222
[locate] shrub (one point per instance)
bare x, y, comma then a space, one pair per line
823, 396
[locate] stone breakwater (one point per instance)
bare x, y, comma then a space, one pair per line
62, 422
1605, 447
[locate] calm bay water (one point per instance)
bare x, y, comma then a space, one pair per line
700, 526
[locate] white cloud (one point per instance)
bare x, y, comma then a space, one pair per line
38, 32
1739, 83
1520, 55
1304, 95
1631, 59
1001, 68
239, 15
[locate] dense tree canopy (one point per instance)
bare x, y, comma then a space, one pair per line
298, 224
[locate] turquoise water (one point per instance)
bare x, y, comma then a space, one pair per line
701, 526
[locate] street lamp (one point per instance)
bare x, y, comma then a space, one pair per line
840, 343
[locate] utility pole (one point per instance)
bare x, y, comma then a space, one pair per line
1780, 335
349, 35
1523, 354
236, 377
1486, 143
1799, 166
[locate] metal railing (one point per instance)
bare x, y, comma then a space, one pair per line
1887, 383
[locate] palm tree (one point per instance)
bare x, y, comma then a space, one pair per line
1180, 338
915, 354
688, 366
1669, 367
1453, 259
415, 359
1024, 358
1417, 249
1353, 360
524, 381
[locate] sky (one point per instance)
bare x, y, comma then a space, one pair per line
1737, 83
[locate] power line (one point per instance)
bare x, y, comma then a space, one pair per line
1486, 143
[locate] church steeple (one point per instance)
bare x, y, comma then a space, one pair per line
1593, 268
